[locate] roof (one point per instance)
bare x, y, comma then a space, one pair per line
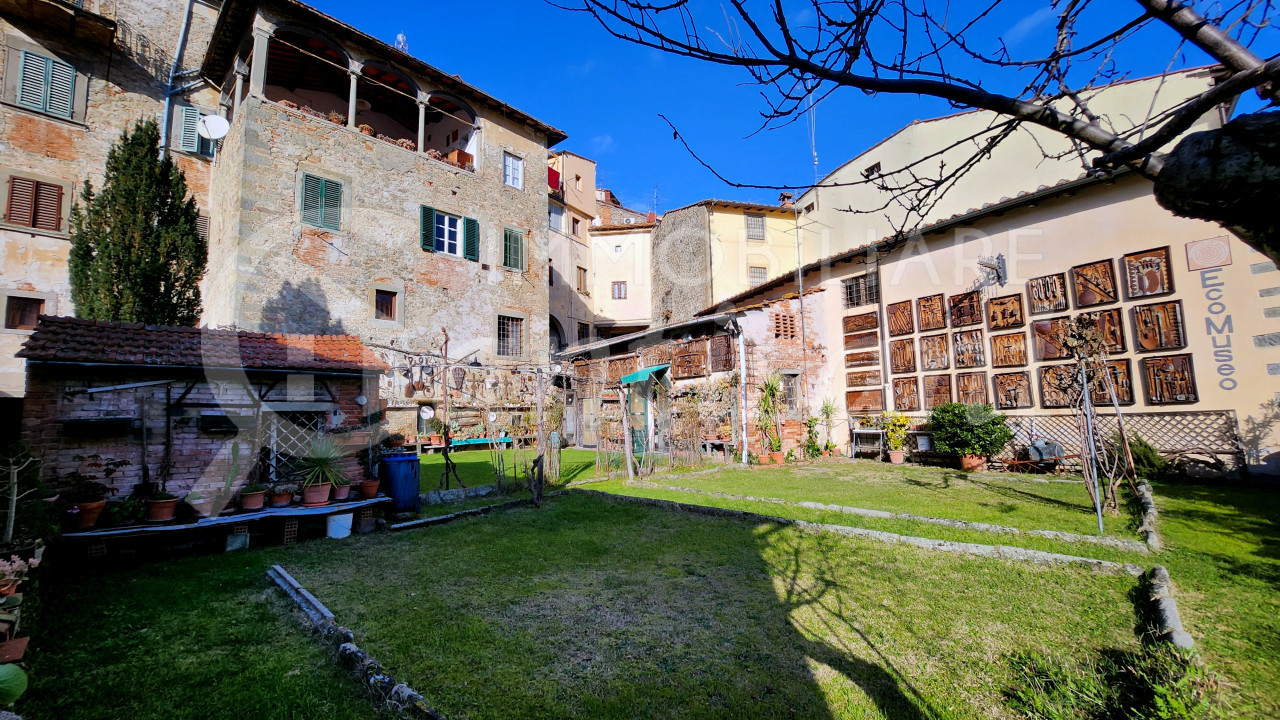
1004, 204
736, 205
96, 342
236, 17
661, 332
623, 227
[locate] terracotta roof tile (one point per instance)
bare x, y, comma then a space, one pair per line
64, 339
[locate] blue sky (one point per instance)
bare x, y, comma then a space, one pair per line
607, 94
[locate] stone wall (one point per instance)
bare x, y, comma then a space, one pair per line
679, 270
768, 353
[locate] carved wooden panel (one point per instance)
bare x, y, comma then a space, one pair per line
933, 353
1111, 326
858, 323
1121, 380
902, 356
656, 354
930, 312
971, 388
1169, 380
581, 369
1047, 338
906, 394
1147, 273
1094, 284
1047, 294
966, 309
861, 340
900, 321
937, 390
1159, 326
970, 349
1005, 312
1013, 390
863, 378
619, 368
689, 359
1059, 386
861, 359
722, 353
864, 401
1009, 350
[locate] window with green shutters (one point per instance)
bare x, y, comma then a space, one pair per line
188, 132
46, 85
513, 250
471, 238
321, 202
441, 232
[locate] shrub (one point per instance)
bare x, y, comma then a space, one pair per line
895, 426
969, 429
1148, 461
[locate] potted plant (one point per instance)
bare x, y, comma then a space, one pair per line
366, 129
435, 430
252, 496
341, 488
336, 117
280, 494
12, 572
319, 471
200, 504
769, 410
162, 504
895, 426
973, 432
828, 413
87, 497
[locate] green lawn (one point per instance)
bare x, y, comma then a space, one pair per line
476, 468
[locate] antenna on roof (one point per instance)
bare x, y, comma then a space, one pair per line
402, 42
813, 136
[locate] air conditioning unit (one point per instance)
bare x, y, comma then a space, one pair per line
629, 221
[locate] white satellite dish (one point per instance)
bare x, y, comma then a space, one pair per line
213, 127
493, 417
557, 369
426, 412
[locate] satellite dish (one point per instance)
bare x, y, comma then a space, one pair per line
493, 417
213, 127
557, 369
426, 412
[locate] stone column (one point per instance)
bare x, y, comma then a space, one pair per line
353, 72
422, 124
239, 92
258, 73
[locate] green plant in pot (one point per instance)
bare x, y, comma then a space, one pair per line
828, 412
160, 504
973, 432
320, 470
280, 493
894, 425
770, 408
86, 495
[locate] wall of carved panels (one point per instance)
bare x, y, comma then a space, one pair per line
864, 390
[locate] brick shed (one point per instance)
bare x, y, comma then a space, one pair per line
174, 400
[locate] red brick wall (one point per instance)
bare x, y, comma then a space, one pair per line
766, 353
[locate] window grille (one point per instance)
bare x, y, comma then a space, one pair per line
862, 290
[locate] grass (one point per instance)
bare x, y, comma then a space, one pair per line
475, 467
592, 609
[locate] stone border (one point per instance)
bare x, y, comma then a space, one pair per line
1146, 498
485, 510
1165, 610
395, 697
1103, 540
1005, 552
440, 497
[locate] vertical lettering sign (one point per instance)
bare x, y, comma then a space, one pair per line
1218, 326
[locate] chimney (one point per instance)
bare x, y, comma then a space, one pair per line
652, 217
786, 200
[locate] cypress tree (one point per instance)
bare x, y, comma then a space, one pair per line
136, 252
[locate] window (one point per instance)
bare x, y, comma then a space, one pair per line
384, 305
584, 332
577, 182
513, 250
46, 85
810, 208
512, 170
34, 204
447, 237
449, 234
871, 171
555, 218
620, 290
188, 133
321, 202
21, 313
791, 392
582, 281
758, 275
202, 227
755, 227
617, 248
861, 290
510, 335
577, 227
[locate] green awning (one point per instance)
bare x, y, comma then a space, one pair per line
644, 374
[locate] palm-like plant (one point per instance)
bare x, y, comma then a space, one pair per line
769, 411
320, 466
828, 413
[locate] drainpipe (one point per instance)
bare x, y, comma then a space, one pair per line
173, 74
742, 386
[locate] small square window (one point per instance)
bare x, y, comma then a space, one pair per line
620, 290
584, 332
617, 248
384, 305
582, 280
513, 170
577, 227
510, 336
758, 275
21, 313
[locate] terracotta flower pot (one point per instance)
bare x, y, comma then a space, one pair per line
973, 463
778, 458
897, 456
202, 508
252, 500
826, 453
282, 498
341, 492
315, 495
368, 489
434, 440
87, 513
7, 590
161, 510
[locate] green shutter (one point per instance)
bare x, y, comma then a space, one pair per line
471, 238
188, 134
332, 206
312, 190
427, 228
32, 72
513, 250
62, 89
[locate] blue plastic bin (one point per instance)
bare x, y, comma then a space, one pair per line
399, 475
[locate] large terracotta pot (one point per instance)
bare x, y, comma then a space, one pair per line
973, 463
282, 498
252, 500
369, 489
161, 510
434, 440
87, 513
826, 453
341, 492
778, 458
315, 495
897, 456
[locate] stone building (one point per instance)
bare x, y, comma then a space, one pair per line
611, 211
74, 76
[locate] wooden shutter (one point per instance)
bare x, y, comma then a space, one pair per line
31, 81
513, 250
62, 89
427, 228
332, 208
471, 238
312, 190
47, 214
188, 134
22, 201
202, 227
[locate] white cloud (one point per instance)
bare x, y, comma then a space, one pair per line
601, 144
1028, 25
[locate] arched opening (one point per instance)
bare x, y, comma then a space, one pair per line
556, 335
308, 73
450, 132
387, 106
